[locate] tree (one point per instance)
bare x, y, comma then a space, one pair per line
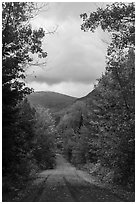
114, 104
24, 140
78, 134
18, 41
44, 138
19, 163
117, 121
117, 18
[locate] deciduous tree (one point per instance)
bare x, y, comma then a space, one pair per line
114, 104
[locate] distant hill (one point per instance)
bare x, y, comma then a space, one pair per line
54, 101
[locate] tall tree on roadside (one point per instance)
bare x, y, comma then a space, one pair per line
116, 89
18, 41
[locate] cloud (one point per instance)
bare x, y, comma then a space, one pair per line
74, 57
61, 11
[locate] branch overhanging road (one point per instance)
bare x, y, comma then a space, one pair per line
66, 184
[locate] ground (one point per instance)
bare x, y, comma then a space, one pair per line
66, 184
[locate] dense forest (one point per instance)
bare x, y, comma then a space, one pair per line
26, 141
99, 129
96, 132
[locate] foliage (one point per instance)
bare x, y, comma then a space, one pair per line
117, 123
117, 18
44, 139
19, 43
78, 135
18, 165
113, 106
73, 118
34, 151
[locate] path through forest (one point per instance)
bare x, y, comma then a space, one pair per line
66, 184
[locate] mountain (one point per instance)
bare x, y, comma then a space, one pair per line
54, 101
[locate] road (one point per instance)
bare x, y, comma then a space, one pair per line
66, 184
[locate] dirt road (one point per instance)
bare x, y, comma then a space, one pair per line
66, 184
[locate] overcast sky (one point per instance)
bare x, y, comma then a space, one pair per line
75, 58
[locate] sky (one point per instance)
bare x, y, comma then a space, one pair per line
75, 58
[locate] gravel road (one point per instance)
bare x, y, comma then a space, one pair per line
66, 184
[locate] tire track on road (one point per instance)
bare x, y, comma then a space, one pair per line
34, 191
73, 191
40, 190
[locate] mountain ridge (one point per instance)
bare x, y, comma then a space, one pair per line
49, 99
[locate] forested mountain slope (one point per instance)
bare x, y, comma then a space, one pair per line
52, 100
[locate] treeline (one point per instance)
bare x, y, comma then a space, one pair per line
26, 135
31, 148
77, 135
101, 129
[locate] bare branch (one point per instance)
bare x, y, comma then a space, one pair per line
51, 32
105, 41
37, 64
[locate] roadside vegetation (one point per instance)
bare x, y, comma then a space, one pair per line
98, 132
26, 146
